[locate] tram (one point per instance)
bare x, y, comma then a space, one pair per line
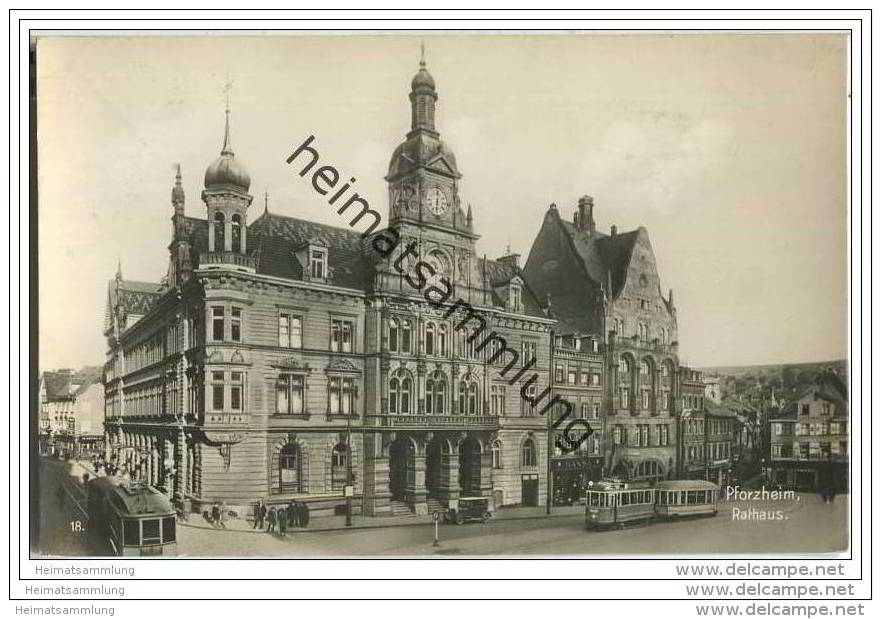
613, 502
130, 519
686, 497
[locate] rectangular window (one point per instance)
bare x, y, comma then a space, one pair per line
625, 398
235, 324
342, 395
217, 388
217, 324
805, 409
342, 334
290, 331
645, 399
528, 350
571, 377
235, 391
558, 374
318, 261
289, 395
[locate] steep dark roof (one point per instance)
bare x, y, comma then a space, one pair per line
499, 273
59, 383
134, 297
273, 240
827, 386
603, 255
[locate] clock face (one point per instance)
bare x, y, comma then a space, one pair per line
436, 202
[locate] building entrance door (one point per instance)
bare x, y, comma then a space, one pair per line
469, 467
529, 490
433, 459
399, 455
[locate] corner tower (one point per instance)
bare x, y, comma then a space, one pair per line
227, 200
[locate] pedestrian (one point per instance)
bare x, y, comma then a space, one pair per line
222, 510
293, 517
215, 514
259, 515
304, 515
282, 522
270, 519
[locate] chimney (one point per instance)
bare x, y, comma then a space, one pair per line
510, 260
585, 214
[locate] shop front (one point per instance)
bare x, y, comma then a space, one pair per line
571, 475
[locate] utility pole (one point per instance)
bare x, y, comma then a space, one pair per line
550, 440
349, 489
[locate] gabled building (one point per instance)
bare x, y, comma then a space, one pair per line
606, 287
71, 411
284, 359
809, 438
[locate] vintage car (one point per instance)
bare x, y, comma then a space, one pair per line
469, 509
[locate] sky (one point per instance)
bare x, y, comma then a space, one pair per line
729, 148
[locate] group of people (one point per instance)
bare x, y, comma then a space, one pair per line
296, 514
218, 515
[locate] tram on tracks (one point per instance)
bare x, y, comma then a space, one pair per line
614, 503
130, 519
686, 497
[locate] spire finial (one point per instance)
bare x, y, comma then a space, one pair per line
422, 54
227, 146
266, 202
118, 269
177, 176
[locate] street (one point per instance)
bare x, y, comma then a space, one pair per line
806, 526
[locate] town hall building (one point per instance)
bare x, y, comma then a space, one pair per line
283, 359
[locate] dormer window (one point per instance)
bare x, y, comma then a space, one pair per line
514, 298
578, 344
317, 263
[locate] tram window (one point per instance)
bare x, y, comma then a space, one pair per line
168, 530
151, 531
593, 499
131, 532
625, 499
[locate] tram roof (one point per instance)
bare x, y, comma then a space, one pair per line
133, 498
686, 484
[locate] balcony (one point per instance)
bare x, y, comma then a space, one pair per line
432, 422
569, 353
221, 421
227, 260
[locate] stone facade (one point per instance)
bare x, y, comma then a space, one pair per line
809, 438
285, 359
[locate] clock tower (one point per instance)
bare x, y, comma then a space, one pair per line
423, 177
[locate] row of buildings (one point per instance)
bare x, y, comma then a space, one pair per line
281, 359
71, 414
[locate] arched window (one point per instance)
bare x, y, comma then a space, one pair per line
393, 334
429, 338
527, 455
219, 232
623, 365
442, 340
400, 390
339, 466
406, 337
406, 390
497, 454
435, 394
644, 368
236, 233
289, 465
461, 343
469, 400
394, 394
